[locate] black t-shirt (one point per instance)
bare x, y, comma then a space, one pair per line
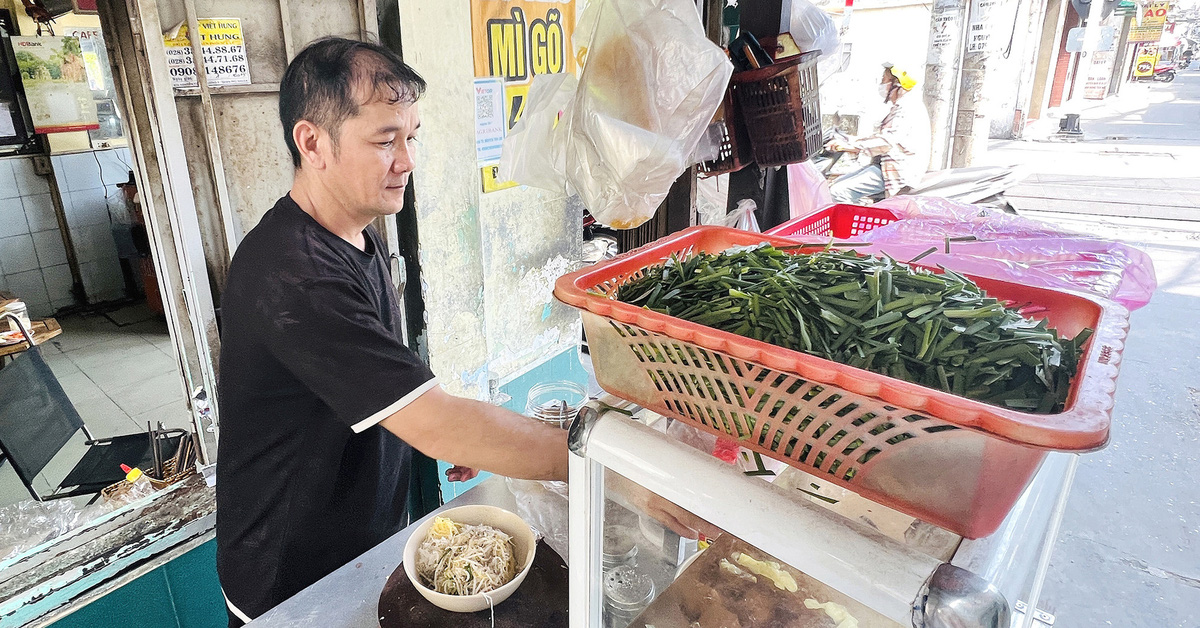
312, 358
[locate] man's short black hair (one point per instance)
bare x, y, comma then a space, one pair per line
325, 84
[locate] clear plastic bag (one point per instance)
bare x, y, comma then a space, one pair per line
27, 524
651, 83
808, 191
544, 506
1015, 248
743, 217
809, 26
534, 151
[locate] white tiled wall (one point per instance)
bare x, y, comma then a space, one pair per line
33, 257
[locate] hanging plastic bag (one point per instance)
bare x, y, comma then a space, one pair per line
808, 191
534, 151
651, 83
810, 27
742, 217
1015, 248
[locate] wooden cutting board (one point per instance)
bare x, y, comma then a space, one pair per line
540, 601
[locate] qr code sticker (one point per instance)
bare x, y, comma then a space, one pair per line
485, 107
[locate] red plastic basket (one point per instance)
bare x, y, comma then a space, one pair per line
955, 462
836, 221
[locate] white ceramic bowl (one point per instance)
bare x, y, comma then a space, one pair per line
524, 542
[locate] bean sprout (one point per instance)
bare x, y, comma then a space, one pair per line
461, 559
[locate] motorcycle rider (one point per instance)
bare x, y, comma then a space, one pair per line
899, 148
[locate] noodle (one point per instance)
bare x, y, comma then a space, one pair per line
460, 559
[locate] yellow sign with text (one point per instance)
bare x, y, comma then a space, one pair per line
1149, 28
1145, 63
515, 40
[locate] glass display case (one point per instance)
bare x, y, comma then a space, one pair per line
791, 549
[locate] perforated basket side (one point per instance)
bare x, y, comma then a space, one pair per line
837, 221
1083, 425
913, 462
780, 104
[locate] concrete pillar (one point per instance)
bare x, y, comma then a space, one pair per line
970, 123
946, 30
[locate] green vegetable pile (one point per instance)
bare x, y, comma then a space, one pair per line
937, 330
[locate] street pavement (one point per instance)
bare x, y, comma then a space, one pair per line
1128, 554
1139, 156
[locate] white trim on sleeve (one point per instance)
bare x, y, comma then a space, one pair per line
235, 610
395, 407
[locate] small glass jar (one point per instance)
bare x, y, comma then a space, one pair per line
21, 311
555, 403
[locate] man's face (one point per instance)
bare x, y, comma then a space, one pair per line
374, 156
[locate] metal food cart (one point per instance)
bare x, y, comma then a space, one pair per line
987, 582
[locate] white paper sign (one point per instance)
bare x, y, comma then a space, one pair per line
489, 119
979, 29
224, 54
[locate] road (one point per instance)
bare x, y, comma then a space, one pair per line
1139, 157
1128, 554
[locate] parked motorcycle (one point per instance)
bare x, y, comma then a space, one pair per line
1162, 74
980, 185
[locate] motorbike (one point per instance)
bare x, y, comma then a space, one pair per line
979, 185
1162, 74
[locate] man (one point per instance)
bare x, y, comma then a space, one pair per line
899, 149
321, 400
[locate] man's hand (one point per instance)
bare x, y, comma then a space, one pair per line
461, 474
678, 520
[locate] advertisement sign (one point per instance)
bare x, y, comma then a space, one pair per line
981, 25
1146, 60
224, 54
91, 42
55, 77
513, 41
1149, 27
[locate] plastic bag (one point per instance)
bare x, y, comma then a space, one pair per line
810, 27
651, 83
742, 217
808, 191
1015, 249
534, 151
544, 505
27, 524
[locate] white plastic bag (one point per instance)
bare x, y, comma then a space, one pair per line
534, 149
27, 524
651, 83
808, 191
742, 217
811, 27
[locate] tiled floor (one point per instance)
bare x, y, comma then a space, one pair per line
118, 377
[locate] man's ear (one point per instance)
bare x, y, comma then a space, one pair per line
313, 144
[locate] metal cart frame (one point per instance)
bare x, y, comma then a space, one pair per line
991, 582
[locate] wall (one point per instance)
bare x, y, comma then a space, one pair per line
488, 260
33, 256
86, 181
1007, 83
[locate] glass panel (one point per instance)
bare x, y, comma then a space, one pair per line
653, 577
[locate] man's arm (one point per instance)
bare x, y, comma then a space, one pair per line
478, 435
